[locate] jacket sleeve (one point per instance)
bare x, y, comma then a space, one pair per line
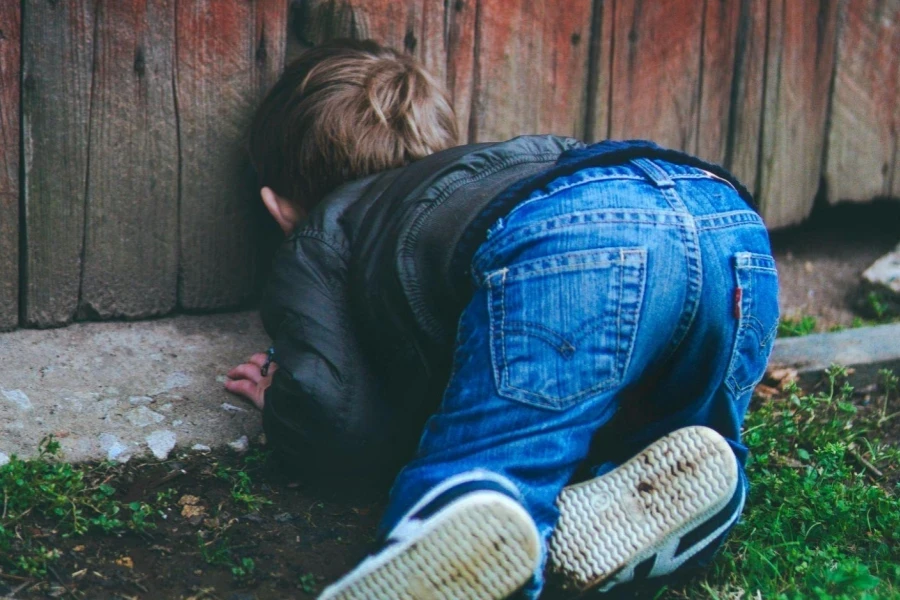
324, 412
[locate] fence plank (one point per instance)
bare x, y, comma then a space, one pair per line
745, 123
415, 26
799, 63
56, 64
131, 236
599, 77
721, 26
10, 39
655, 72
228, 53
863, 158
525, 70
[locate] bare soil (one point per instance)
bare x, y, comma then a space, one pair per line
820, 262
308, 534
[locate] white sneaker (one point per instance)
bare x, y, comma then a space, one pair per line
466, 539
650, 516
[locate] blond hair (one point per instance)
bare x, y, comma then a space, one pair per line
345, 110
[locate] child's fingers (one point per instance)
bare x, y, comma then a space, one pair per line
259, 359
246, 371
242, 387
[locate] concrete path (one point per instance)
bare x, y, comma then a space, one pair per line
121, 390
866, 350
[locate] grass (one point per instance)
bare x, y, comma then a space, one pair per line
73, 500
823, 519
788, 327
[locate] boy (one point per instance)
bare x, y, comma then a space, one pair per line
548, 308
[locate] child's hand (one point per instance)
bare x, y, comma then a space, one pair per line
247, 381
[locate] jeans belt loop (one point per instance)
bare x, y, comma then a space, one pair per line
653, 172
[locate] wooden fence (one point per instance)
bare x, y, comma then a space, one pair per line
123, 190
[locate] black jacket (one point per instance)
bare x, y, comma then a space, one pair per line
362, 304
365, 295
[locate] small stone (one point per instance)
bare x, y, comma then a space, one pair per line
4, 458
883, 280
232, 408
166, 407
161, 443
201, 448
18, 398
114, 448
143, 416
240, 445
177, 380
140, 400
177, 422
221, 379
284, 517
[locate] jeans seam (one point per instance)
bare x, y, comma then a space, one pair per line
691, 239
679, 220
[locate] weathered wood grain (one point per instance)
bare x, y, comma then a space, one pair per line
748, 85
597, 112
799, 64
10, 40
131, 236
228, 53
655, 70
721, 26
519, 66
57, 57
863, 156
414, 26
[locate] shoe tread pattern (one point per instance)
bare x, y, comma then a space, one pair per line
624, 516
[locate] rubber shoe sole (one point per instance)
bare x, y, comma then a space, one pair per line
483, 546
641, 510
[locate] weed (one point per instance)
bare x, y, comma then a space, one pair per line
72, 499
244, 569
788, 327
821, 521
877, 306
307, 583
242, 483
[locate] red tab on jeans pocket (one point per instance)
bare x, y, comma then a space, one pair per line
738, 296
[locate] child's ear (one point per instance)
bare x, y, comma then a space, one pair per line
281, 209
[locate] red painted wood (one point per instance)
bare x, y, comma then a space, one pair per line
414, 26
721, 22
10, 40
518, 66
742, 150
863, 157
655, 71
799, 66
228, 54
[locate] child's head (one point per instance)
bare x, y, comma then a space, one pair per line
342, 111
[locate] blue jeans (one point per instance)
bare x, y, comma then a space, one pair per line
611, 307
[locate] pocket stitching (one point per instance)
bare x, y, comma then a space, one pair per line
621, 358
743, 271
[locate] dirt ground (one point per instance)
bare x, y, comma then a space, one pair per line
212, 545
820, 262
301, 537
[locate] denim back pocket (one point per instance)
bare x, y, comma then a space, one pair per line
757, 282
563, 327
